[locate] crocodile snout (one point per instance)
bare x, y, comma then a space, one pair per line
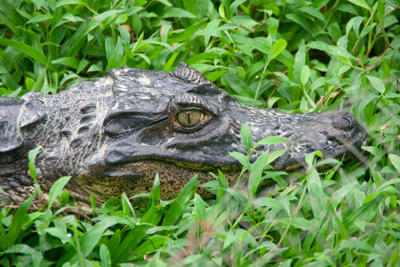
336, 133
345, 133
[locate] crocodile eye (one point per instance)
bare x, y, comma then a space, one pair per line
190, 118
189, 113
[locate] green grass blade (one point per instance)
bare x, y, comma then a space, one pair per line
18, 220
29, 51
180, 203
56, 189
105, 259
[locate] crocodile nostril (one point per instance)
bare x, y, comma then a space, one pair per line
348, 121
345, 122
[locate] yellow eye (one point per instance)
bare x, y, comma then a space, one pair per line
190, 118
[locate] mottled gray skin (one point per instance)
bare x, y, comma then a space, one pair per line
113, 134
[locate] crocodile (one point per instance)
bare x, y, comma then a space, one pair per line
114, 134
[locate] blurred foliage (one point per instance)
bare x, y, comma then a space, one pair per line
298, 56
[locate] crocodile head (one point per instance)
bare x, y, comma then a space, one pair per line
180, 124
115, 133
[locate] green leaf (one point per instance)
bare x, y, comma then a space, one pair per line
71, 62
373, 150
238, 85
165, 2
153, 215
273, 25
387, 184
299, 19
270, 203
367, 30
129, 243
262, 44
341, 54
303, 224
36, 256
82, 65
7, 78
222, 184
274, 155
365, 101
362, 4
395, 160
116, 59
89, 240
40, 83
256, 172
150, 245
29, 83
356, 244
157, 229
313, 12
17, 221
371, 197
377, 84
235, 5
241, 158
175, 12
210, 30
305, 75
315, 185
318, 45
32, 156
276, 49
245, 134
105, 259
39, 18
74, 43
29, 51
171, 61
188, 33
388, 21
299, 63
249, 101
164, 32
200, 208
380, 11
221, 11
59, 233
180, 203
127, 209
68, 2
229, 239
155, 191
15, 93
56, 189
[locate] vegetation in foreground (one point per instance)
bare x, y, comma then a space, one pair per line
297, 56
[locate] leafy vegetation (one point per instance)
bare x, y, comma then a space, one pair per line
298, 56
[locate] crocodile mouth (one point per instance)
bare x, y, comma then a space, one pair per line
138, 177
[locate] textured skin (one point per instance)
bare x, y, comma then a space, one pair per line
115, 133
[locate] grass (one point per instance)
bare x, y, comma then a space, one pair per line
298, 56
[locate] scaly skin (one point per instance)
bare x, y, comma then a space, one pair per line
113, 134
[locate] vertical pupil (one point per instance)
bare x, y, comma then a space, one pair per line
188, 116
